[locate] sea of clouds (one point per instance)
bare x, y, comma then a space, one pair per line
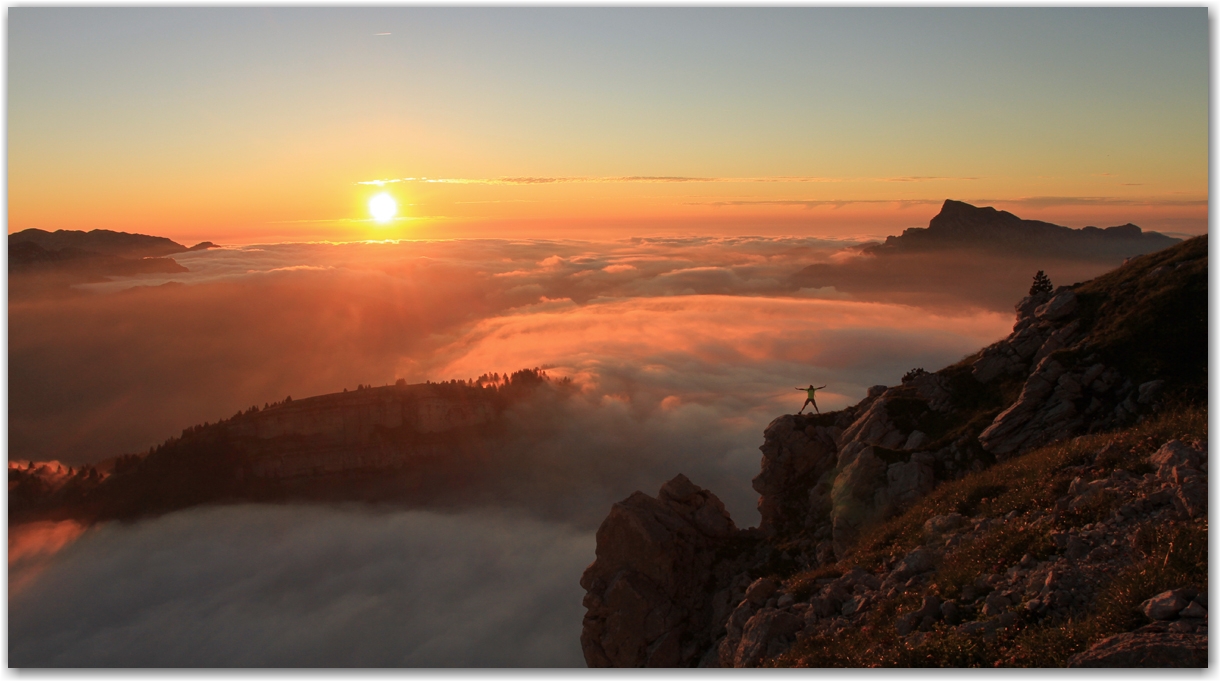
682, 349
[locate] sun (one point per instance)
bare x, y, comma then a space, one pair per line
383, 207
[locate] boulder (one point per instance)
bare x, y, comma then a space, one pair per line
1145, 650
764, 629
1165, 605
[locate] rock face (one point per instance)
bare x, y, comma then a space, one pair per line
835, 473
647, 592
370, 428
796, 456
103, 241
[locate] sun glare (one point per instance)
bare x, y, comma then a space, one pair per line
383, 207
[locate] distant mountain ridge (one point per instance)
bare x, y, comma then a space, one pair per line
401, 443
105, 242
961, 225
52, 262
981, 256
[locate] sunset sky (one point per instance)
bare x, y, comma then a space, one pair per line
243, 125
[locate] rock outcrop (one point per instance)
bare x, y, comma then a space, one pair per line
661, 592
648, 590
960, 225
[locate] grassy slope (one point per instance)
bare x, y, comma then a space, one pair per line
1148, 319
1172, 556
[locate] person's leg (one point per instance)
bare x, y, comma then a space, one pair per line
815, 407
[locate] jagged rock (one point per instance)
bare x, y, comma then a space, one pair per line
874, 427
1026, 307
933, 389
1061, 305
793, 457
1060, 338
998, 359
1044, 412
1026, 342
647, 588
1145, 650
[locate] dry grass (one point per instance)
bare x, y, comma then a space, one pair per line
1169, 556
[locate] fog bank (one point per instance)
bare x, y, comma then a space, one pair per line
289, 586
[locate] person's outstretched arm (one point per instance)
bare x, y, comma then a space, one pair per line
818, 388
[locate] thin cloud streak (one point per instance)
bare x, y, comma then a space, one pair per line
658, 179
1031, 202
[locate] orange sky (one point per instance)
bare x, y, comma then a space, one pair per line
239, 126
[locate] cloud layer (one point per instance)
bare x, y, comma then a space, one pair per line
681, 350
684, 349
288, 586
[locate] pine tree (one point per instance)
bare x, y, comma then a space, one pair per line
1042, 284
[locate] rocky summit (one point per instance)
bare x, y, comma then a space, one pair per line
1042, 502
961, 225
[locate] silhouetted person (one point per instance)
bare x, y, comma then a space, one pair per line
809, 400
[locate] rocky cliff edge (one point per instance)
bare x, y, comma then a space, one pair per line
675, 582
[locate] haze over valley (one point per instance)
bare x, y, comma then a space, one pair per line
335, 334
